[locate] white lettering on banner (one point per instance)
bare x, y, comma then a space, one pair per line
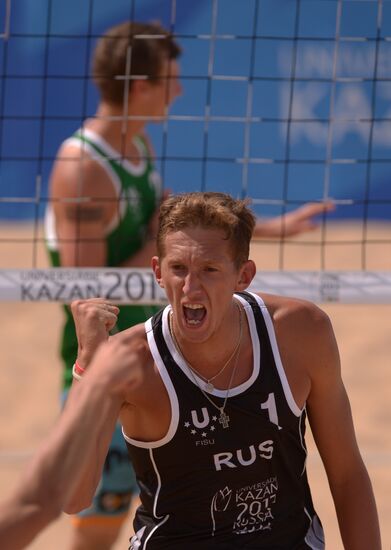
352, 106
65, 285
124, 286
241, 458
56, 292
317, 60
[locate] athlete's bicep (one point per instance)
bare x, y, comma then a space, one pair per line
329, 410
81, 243
83, 202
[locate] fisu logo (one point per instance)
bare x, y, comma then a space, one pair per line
240, 458
202, 426
203, 422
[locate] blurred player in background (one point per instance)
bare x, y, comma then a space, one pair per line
105, 192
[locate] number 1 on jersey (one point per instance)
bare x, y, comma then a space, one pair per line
270, 405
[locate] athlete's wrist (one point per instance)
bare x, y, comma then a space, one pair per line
77, 371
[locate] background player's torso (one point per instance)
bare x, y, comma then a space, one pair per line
137, 190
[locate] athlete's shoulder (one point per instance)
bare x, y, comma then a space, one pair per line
75, 173
304, 334
289, 311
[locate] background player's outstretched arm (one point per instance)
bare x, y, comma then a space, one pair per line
293, 223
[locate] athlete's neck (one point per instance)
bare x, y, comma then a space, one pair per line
206, 358
114, 126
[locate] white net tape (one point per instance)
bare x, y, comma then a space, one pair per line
138, 286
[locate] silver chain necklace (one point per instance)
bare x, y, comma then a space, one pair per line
223, 417
208, 381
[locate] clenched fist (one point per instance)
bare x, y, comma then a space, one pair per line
94, 318
118, 364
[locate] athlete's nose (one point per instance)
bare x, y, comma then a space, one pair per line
191, 284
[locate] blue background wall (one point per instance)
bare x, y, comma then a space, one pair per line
284, 79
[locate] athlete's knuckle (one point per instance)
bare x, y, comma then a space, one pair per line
76, 305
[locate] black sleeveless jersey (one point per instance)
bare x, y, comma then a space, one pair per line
205, 486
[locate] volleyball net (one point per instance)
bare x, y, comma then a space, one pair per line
283, 102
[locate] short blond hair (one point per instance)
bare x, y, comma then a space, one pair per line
209, 210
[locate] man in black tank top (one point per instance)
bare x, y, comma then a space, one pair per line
214, 421
104, 189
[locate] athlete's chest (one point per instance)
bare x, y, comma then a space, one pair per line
234, 429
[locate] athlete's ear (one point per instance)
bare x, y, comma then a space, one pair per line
157, 271
141, 90
246, 275
140, 87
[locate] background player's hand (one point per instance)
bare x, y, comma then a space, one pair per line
293, 223
94, 318
302, 220
118, 364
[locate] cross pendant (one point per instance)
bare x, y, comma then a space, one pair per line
224, 419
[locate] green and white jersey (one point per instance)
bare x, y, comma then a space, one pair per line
137, 186
138, 189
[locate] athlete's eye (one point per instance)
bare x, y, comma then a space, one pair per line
178, 267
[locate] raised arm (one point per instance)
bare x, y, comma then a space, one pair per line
94, 318
57, 468
93, 321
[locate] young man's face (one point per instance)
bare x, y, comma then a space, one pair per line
199, 276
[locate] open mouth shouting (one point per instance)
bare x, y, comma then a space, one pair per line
194, 314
